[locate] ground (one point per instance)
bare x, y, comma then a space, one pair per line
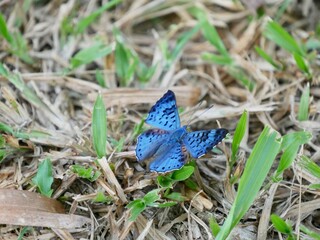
78, 78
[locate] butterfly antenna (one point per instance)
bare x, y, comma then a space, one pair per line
191, 119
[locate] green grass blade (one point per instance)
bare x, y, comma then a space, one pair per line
291, 144
300, 137
209, 31
304, 104
44, 178
267, 57
214, 226
183, 40
238, 135
19, 47
281, 225
100, 78
217, 59
4, 32
280, 36
99, 127
309, 165
27, 93
255, 172
241, 77
126, 60
310, 233
283, 7
86, 21
302, 64
87, 55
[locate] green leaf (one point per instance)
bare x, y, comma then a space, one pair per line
3, 71
267, 57
138, 129
182, 41
209, 31
4, 30
191, 184
300, 137
87, 173
214, 226
183, 173
217, 59
137, 207
280, 36
309, 232
99, 127
166, 204
238, 135
287, 158
281, 225
44, 178
86, 21
302, 64
241, 77
310, 166
255, 172
126, 60
88, 55
304, 104
151, 196
19, 47
281, 9
176, 196
291, 144
145, 73
24, 230
165, 181
101, 198
315, 186
100, 78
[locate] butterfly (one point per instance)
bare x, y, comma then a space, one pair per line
168, 144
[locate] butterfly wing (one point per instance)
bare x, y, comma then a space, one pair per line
169, 157
164, 114
199, 143
149, 142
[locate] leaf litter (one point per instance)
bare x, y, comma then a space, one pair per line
48, 89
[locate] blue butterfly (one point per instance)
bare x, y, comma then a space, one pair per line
168, 143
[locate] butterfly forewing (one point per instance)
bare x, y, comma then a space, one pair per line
149, 142
199, 143
164, 114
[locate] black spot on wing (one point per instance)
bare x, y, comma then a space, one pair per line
200, 142
164, 113
172, 160
148, 143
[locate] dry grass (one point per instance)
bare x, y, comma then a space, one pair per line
56, 118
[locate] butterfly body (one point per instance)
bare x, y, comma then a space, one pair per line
169, 143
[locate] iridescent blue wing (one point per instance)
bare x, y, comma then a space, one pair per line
164, 114
149, 142
200, 142
169, 157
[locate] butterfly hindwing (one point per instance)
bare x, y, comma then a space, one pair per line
169, 158
149, 142
199, 143
164, 114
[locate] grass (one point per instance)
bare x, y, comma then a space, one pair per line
77, 80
